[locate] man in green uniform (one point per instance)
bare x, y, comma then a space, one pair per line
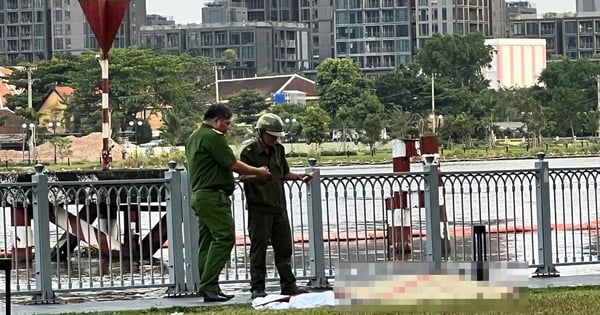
267, 211
210, 165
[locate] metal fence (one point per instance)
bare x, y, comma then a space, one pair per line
115, 234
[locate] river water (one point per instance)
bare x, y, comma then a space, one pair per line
359, 208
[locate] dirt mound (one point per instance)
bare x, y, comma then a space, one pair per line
86, 148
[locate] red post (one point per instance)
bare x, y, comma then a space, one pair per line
399, 235
22, 234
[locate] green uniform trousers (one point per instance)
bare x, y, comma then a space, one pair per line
263, 226
217, 236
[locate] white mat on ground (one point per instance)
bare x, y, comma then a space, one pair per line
306, 300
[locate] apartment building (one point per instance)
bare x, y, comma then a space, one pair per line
23, 30
499, 21
515, 8
582, 6
574, 36
37, 29
261, 47
319, 15
387, 33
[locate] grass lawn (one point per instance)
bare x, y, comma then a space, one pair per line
574, 300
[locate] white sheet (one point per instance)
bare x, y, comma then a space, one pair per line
306, 300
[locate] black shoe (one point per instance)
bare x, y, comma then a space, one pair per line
229, 296
213, 297
293, 291
258, 293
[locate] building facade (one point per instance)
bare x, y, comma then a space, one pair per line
573, 36
515, 8
261, 47
386, 33
319, 15
516, 62
587, 6
37, 29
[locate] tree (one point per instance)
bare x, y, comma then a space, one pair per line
460, 127
229, 58
139, 79
401, 123
457, 58
569, 93
64, 146
47, 75
339, 82
315, 125
176, 127
247, 105
372, 131
404, 88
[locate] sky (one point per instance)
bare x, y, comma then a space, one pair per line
189, 11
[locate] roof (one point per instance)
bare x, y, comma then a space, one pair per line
268, 85
62, 91
13, 122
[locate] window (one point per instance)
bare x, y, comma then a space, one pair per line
207, 39
248, 53
402, 15
58, 43
235, 38
58, 16
247, 38
570, 27
193, 40
220, 38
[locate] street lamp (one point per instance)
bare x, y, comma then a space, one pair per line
135, 125
291, 123
53, 125
30, 126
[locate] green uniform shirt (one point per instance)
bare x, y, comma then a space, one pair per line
266, 195
209, 159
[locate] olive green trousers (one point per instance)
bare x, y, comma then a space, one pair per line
217, 236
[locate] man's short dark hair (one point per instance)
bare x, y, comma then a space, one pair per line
218, 111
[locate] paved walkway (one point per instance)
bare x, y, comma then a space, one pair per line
166, 302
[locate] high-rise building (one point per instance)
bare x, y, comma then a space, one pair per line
499, 21
261, 47
224, 11
319, 15
387, 33
23, 30
514, 8
271, 10
587, 6
36, 29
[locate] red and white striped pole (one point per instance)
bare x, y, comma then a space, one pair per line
399, 233
106, 131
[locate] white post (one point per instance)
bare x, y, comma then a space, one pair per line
433, 119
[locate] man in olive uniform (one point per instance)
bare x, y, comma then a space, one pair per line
210, 165
267, 211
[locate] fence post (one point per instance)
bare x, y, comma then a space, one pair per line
6, 265
41, 228
542, 179
190, 236
479, 251
432, 216
174, 233
316, 249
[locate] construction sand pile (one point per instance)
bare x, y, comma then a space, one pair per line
86, 148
